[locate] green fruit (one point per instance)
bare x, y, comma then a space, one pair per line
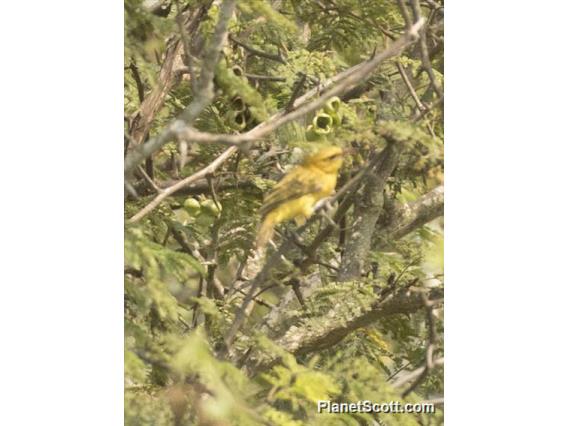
192, 206
240, 120
311, 135
237, 104
322, 123
210, 207
238, 71
332, 107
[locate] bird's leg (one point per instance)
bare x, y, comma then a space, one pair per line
324, 204
323, 207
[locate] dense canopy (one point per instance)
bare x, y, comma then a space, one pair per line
222, 99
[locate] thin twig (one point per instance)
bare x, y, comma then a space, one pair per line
432, 340
409, 86
416, 373
424, 51
296, 92
138, 81
405, 13
166, 192
256, 52
149, 180
186, 46
264, 77
427, 109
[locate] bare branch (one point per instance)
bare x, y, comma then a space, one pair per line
335, 86
139, 85
183, 32
256, 52
166, 192
432, 340
149, 180
202, 97
154, 100
264, 77
168, 78
405, 13
204, 94
424, 51
409, 86
340, 321
416, 373
427, 109
406, 218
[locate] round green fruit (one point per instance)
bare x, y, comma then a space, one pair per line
211, 207
192, 206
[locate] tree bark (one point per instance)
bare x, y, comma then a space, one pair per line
368, 208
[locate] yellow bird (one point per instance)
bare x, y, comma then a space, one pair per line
296, 195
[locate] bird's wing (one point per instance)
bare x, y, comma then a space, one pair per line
292, 186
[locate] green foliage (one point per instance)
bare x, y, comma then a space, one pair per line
262, 8
233, 86
184, 282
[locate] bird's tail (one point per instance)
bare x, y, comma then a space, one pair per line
265, 232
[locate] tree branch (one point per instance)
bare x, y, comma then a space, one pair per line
406, 218
416, 373
368, 208
168, 77
409, 86
202, 97
166, 192
424, 51
336, 85
341, 320
256, 52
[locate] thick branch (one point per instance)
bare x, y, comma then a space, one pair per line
305, 340
367, 211
155, 99
406, 218
342, 320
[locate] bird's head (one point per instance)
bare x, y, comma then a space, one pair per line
328, 160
